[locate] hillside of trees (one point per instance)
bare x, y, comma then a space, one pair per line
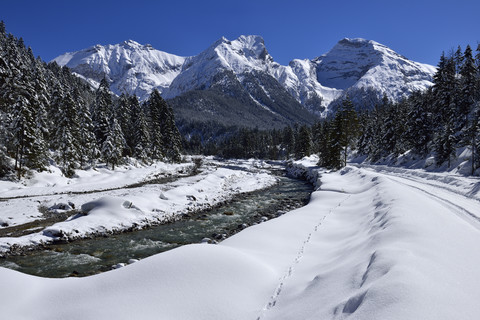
435, 122
49, 116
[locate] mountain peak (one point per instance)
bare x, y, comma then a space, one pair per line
131, 44
131, 66
354, 41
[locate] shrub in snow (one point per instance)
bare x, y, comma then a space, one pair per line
59, 207
53, 232
106, 202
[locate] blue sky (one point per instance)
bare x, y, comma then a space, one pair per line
419, 30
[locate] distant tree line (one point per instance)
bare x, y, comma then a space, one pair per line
434, 122
48, 114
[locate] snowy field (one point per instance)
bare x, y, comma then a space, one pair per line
373, 243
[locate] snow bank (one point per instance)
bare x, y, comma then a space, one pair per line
95, 179
192, 282
126, 209
26, 200
367, 246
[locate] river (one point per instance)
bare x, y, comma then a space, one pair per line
91, 256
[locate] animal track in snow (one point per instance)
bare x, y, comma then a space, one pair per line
296, 260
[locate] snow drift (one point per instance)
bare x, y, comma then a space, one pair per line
367, 246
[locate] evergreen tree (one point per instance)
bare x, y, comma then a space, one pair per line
65, 139
477, 64
87, 144
304, 144
347, 124
113, 144
141, 139
323, 142
5, 167
466, 124
102, 111
317, 131
172, 138
288, 141
332, 157
123, 114
419, 132
458, 59
155, 105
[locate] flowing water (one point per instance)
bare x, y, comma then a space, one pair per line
91, 256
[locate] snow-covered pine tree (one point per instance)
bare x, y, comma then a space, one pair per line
40, 100
172, 140
419, 131
123, 114
445, 96
5, 167
87, 143
101, 111
349, 127
66, 140
141, 136
322, 141
25, 139
155, 105
113, 145
458, 58
477, 64
466, 122
466, 91
376, 128
333, 158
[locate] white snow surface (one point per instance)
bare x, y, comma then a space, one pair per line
22, 199
369, 245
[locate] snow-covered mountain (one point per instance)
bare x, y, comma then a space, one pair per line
129, 66
243, 69
359, 63
246, 54
234, 82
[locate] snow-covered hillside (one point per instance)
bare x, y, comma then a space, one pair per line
369, 245
245, 54
359, 63
129, 66
352, 64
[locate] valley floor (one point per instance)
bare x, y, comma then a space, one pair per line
373, 243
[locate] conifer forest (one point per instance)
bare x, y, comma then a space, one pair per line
51, 116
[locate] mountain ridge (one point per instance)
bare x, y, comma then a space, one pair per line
353, 65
